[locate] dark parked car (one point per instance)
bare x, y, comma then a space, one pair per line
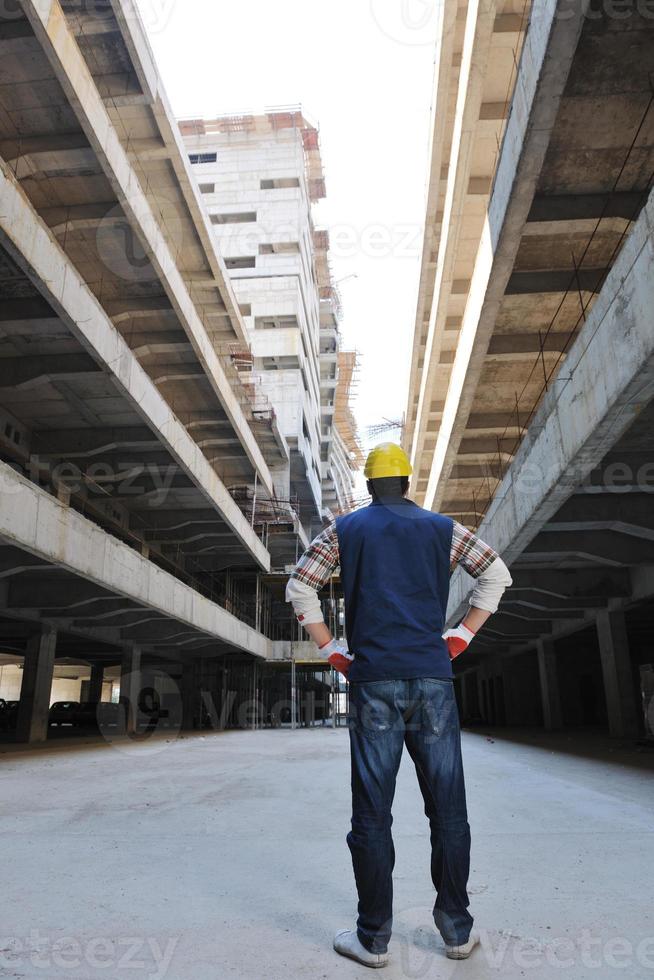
63, 712
8, 715
107, 715
91, 715
86, 715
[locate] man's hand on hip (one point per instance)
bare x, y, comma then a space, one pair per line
458, 640
338, 656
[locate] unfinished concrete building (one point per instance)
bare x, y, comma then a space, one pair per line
259, 176
531, 403
141, 530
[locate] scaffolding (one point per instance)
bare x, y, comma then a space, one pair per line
238, 363
387, 426
344, 420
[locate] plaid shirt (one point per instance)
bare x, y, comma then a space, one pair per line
321, 559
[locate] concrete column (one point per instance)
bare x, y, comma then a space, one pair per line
191, 693
95, 684
465, 704
483, 698
502, 692
509, 691
32, 724
130, 689
549, 684
617, 670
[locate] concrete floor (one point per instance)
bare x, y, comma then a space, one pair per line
224, 856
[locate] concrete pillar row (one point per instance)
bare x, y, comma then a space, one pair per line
130, 689
550, 691
38, 671
617, 670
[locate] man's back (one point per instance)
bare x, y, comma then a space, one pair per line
395, 569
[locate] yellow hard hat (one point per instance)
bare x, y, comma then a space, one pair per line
387, 459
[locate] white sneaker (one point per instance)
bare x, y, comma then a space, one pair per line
347, 943
464, 951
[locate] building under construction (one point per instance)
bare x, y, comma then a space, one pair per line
531, 399
162, 434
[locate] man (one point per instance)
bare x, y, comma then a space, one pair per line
396, 560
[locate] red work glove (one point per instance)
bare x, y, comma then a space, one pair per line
338, 656
458, 640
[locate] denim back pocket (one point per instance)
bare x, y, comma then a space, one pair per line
438, 714
372, 708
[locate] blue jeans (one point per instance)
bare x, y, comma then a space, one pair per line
421, 714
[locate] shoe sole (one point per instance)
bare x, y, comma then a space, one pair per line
452, 955
356, 959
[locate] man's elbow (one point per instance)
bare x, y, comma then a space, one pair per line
503, 574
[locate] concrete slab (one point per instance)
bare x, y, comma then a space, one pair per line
34, 521
224, 856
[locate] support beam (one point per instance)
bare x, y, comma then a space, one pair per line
191, 693
44, 143
491, 421
12, 30
580, 207
87, 443
20, 310
52, 590
549, 684
68, 163
566, 583
95, 684
38, 670
130, 691
618, 673
607, 548
625, 513
556, 281
465, 703
23, 372
503, 345
509, 24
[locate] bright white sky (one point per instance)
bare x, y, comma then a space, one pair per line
363, 71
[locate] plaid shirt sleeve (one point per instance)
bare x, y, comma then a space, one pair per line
470, 552
319, 561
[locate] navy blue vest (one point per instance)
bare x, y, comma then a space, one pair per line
395, 569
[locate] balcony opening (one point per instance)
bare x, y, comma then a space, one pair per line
234, 218
275, 322
242, 262
279, 248
278, 183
